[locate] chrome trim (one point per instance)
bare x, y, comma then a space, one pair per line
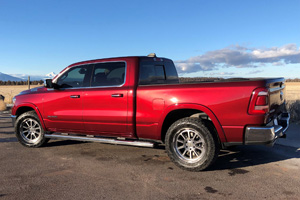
13, 118
276, 89
259, 135
67, 69
101, 140
75, 96
267, 135
117, 95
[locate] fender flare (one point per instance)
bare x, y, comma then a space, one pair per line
199, 107
35, 108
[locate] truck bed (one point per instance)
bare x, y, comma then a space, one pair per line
228, 100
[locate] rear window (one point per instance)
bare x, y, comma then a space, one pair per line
157, 72
152, 74
172, 76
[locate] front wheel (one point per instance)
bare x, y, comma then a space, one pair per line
29, 131
190, 145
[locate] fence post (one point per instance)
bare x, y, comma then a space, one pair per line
28, 82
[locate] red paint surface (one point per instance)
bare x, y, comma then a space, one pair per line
141, 111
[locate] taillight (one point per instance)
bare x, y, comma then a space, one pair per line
259, 103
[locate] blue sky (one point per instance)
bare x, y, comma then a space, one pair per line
204, 38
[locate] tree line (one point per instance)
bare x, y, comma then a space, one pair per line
293, 80
40, 82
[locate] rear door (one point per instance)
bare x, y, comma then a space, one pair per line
105, 108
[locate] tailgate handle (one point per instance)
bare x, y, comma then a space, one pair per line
117, 95
75, 96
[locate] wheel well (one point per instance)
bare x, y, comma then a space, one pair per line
23, 110
179, 114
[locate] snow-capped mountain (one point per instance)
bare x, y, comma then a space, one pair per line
24, 77
50, 75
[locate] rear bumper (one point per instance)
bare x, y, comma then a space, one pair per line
267, 135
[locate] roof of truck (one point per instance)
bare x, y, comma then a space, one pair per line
150, 58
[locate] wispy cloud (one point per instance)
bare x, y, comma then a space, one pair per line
222, 73
240, 57
255, 72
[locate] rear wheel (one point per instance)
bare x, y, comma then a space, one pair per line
191, 145
29, 131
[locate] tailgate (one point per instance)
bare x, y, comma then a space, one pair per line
276, 97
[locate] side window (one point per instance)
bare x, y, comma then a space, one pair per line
171, 73
75, 77
109, 74
152, 74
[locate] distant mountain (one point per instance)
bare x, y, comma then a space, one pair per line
34, 77
6, 77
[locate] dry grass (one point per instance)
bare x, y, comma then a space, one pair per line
293, 100
2, 105
293, 91
9, 91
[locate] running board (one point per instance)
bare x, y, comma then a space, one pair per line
101, 140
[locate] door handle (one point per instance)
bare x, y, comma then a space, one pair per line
75, 96
117, 95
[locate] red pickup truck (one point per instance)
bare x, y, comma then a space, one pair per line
139, 101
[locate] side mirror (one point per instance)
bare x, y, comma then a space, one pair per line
48, 83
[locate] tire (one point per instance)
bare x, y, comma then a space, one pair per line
29, 131
191, 145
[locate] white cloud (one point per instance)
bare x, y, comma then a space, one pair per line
240, 57
278, 63
275, 52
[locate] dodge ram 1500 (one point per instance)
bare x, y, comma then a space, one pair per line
139, 101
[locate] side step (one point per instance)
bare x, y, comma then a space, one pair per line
101, 140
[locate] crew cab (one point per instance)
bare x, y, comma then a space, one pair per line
139, 101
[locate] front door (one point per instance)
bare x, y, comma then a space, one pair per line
62, 109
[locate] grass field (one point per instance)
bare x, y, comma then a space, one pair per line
293, 100
293, 91
292, 96
10, 91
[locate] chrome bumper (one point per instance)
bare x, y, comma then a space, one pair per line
267, 135
13, 118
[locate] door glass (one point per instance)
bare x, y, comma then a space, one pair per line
75, 77
109, 74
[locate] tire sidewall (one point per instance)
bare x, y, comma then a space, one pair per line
209, 154
20, 119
